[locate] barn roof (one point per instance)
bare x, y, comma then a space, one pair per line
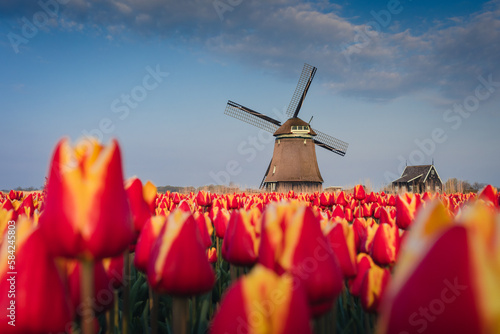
412, 173
286, 128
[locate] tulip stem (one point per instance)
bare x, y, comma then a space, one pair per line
153, 310
180, 310
126, 293
112, 316
368, 327
110, 320
87, 292
234, 273
219, 265
332, 319
193, 311
116, 320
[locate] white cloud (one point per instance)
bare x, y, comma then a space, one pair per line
281, 35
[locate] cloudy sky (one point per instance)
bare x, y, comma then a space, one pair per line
403, 82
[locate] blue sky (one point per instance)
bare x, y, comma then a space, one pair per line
398, 80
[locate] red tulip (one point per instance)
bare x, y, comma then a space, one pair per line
86, 202
27, 207
220, 222
35, 300
315, 201
373, 287
203, 198
338, 212
348, 214
15, 195
341, 239
293, 242
185, 206
263, 302
364, 262
489, 194
5, 217
113, 266
405, 211
385, 245
176, 198
202, 221
326, 199
140, 209
8, 207
358, 213
386, 217
212, 254
367, 209
439, 290
359, 192
372, 198
150, 194
241, 242
233, 202
427, 197
364, 233
448, 280
382, 200
340, 199
178, 244
146, 240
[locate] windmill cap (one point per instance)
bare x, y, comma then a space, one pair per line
286, 128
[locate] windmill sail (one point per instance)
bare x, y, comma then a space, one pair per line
299, 95
253, 117
294, 165
330, 143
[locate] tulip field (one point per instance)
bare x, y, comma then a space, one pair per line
94, 253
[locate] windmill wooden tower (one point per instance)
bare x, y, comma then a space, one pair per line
294, 165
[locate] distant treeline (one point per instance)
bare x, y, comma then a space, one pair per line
163, 189
20, 189
220, 189
451, 185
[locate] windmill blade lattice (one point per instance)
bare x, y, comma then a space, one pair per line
251, 117
330, 143
305, 80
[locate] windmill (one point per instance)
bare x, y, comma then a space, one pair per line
294, 165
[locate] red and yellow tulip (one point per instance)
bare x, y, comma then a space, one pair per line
36, 282
86, 202
140, 208
341, 239
241, 242
179, 243
446, 279
263, 302
293, 242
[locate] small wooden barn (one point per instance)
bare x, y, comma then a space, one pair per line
419, 179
